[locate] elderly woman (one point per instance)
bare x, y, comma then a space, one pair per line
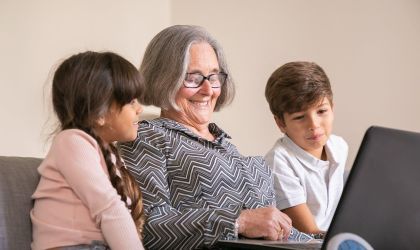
197, 188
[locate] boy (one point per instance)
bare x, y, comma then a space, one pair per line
308, 161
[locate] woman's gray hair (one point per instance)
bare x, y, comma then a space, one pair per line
166, 61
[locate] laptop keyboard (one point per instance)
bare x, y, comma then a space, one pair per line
317, 245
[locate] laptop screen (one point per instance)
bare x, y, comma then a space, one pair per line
381, 199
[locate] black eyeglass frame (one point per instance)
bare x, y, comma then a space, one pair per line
206, 78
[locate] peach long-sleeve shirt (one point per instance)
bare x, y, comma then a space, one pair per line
75, 201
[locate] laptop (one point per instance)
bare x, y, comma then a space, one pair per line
381, 198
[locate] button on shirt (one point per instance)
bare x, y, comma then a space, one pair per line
300, 177
193, 189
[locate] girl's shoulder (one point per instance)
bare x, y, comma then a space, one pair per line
74, 137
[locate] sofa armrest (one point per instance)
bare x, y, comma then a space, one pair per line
18, 180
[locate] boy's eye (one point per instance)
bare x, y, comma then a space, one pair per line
299, 117
322, 111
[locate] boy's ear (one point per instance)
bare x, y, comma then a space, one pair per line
280, 124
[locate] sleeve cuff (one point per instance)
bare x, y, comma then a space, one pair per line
236, 229
286, 203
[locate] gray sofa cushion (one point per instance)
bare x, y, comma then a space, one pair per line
18, 180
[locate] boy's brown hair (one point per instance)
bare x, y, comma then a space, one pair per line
296, 86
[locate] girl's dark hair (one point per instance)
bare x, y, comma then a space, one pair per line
296, 86
83, 89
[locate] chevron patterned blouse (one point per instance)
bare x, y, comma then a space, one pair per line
193, 189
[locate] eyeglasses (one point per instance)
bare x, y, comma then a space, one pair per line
195, 80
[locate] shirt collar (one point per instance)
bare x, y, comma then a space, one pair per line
310, 160
217, 132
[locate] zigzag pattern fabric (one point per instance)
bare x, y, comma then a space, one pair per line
193, 189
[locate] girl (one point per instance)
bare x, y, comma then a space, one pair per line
85, 194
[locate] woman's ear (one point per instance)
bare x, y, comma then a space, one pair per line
280, 124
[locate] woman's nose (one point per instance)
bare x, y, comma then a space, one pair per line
206, 88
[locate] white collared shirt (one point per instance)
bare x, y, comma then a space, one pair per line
300, 178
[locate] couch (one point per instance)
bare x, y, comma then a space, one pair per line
18, 180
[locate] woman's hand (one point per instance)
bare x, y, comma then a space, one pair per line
268, 223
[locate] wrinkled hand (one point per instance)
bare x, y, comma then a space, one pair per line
268, 223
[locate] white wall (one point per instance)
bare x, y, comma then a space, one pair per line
369, 48
35, 35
